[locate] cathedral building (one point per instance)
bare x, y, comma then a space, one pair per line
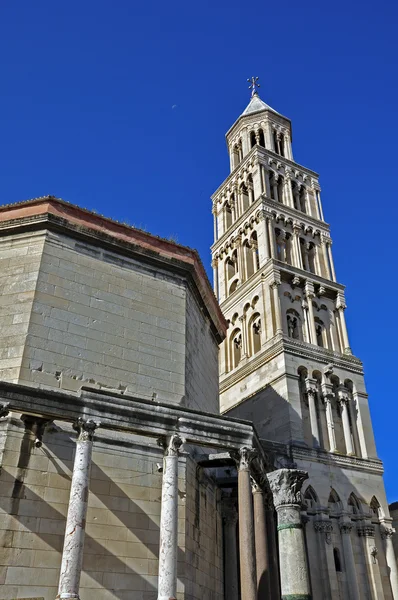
160, 441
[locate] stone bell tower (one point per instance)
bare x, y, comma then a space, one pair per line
286, 363
274, 276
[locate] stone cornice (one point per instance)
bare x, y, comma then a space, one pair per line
238, 223
57, 215
257, 153
283, 344
296, 215
370, 465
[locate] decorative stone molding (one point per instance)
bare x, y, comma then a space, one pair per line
346, 527
366, 530
286, 486
172, 444
324, 527
244, 457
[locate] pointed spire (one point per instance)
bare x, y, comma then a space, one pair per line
255, 104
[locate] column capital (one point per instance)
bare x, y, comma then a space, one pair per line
244, 457
171, 444
387, 532
346, 527
366, 530
85, 429
286, 486
214, 262
309, 289
343, 395
4, 409
326, 527
310, 386
340, 301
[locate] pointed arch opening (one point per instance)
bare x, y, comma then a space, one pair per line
354, 504
235, 347
334, 502
310, 498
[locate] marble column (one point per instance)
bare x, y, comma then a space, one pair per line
72, 554
168, 546
349, 561
311, 395
214, 264
386, 534
248, 579
327, 398
230, 519
343, 328
329, 249
261, 543
309, 294
286, 488
277, 307
272, 241
272, 548
264, 226
343, 400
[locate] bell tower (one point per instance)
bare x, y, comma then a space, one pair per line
286, 363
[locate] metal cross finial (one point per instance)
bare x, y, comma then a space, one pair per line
253, 85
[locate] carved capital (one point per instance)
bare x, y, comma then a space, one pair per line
346, 527
387, 532
366, 530
286, 486
85, 429
36, 426
326, 528
243, 457
171, 444
4, 409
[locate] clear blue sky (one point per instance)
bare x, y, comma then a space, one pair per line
122, 107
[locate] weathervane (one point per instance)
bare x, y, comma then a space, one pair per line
253, 85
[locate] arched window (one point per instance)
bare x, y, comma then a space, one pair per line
320, 329
310, 497
245, 197
252, 139
294, 329
354, 504
233, 286
249, 258
255, 334
376, 508
274, 186
254, 246
337, 560
235, 155
334, 502
295, 194
235, 348
311, 257
261, 140
231, 266
227, 215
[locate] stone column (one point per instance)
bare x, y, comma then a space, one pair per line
386, 534
261, 543
329, 248
272, 549
245, 337
72, 554
168, 547
214, 264
248, 580
214, 211
230, 519
296, 238
272, 242
275, 187
366, 532
343, 400
267, 183
286, 488
341, 306
326, 258
309, 294
324, 528
328, 396
277, 307
352, 581
311, 395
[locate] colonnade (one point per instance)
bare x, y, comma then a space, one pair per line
258, 548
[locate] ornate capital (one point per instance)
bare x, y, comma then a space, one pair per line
346, 527
85, 429
387, 532
325, 527
366, 530
171, 444
286, 486
243, 457
4, 409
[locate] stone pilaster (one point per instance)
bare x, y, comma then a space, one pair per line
167, 579
72, 554
346, 527
261, 542
286, 488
